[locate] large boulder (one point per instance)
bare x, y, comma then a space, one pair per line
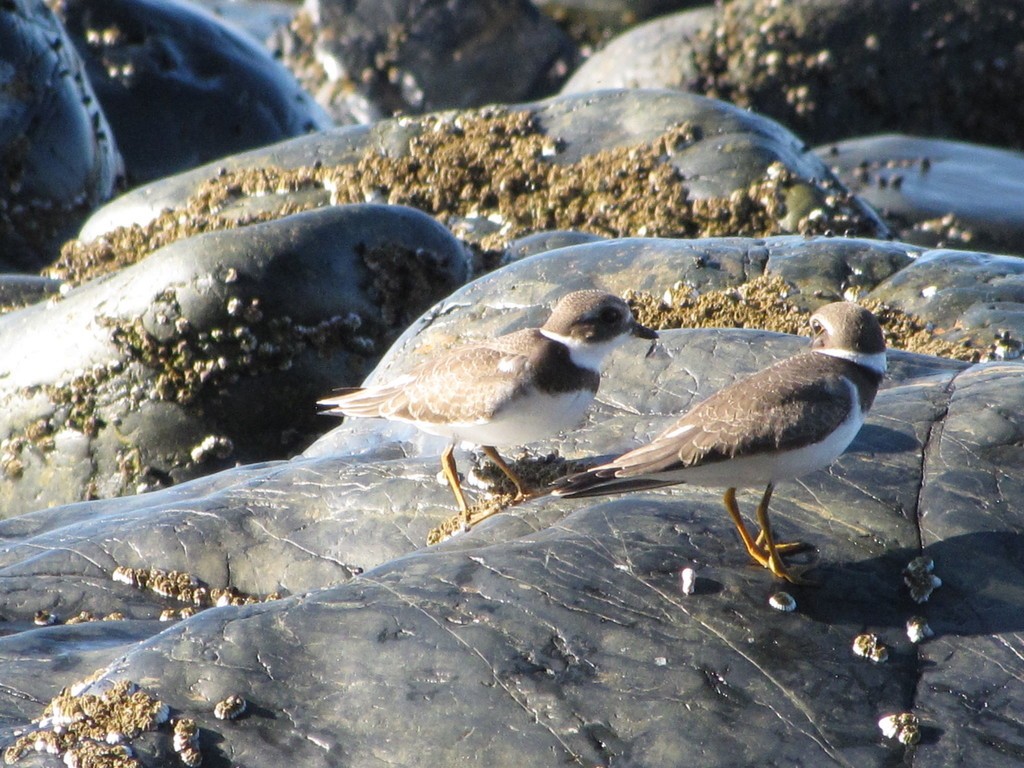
617, 163
836, 69
557, 630
211, 351
58, 157
181, 88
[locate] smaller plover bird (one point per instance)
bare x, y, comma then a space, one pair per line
791, 418
515, 389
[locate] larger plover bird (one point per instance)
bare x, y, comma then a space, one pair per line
784, 421
515, 389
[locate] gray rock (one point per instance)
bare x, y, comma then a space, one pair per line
728, 149
211, 351
180, 87
937, 193
964, 294
655, 54
833, 69
545, 241
559, 628
22, 290
58, 158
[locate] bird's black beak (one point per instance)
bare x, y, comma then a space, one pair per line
643, 332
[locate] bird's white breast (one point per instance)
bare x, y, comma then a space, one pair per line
536, 417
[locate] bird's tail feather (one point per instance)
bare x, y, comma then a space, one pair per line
602, 481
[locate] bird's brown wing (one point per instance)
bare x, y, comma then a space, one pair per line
464, 385
779, 408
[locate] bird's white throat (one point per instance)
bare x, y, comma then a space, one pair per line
585, 354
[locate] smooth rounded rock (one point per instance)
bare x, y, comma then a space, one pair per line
58, 157
740, 165
835, 69
502, 641
384, 57
937, 193
211, 351
182, 88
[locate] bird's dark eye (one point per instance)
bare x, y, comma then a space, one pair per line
610, 316
816, 325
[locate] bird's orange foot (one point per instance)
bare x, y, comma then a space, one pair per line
785, 548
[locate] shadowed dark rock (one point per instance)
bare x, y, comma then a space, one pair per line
384, 57
833, 69
180, 87
58, 159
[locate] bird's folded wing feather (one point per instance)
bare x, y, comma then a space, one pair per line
784, 410
465, 385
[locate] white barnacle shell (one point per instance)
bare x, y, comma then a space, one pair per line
918, 629
230, 707
782, 601
162, 714
919, 578
888, 726
186, 734
688, 581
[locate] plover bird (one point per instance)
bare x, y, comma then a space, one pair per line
515, 389
789, 419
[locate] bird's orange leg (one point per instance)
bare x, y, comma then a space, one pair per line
774, 560
451, 474
755, 552
785, 548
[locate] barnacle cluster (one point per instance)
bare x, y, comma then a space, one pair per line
83, 617
535, 471
185, 588
499, 166
186, 742
88, 729
869, 647
904, 727
920, 579
768, 302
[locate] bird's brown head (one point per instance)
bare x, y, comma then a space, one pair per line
594, 317
847, 330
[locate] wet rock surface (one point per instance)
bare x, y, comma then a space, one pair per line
560, 628
180, 88
830, 70
937, 193
194, 358
58, 157
271, 612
